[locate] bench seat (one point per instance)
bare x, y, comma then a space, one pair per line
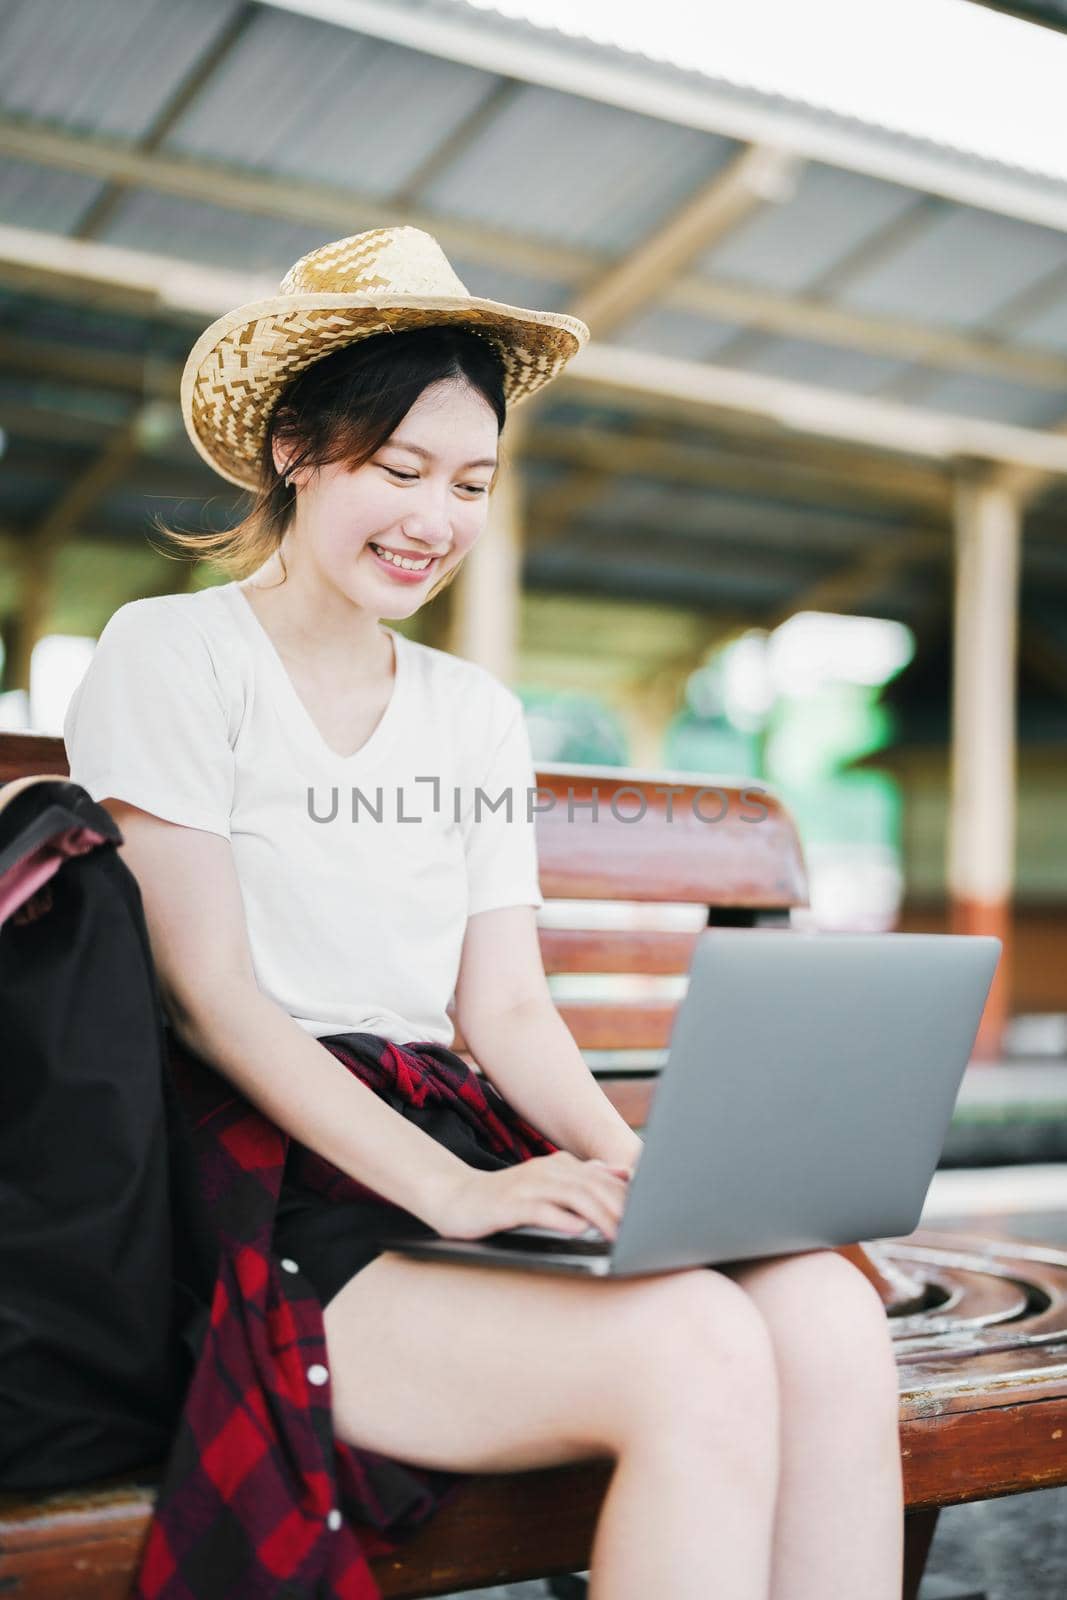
983, 1409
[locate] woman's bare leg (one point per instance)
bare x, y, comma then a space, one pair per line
839, 1530
672, 1375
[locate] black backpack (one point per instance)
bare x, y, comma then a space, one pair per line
106, 1259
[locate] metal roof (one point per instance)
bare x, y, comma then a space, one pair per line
762, 54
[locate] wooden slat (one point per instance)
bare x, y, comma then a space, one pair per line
612, 1025
619, 1024
649, 952
21, 753
750, 856
78, 1545
631, 1096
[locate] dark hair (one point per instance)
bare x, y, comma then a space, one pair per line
342, 409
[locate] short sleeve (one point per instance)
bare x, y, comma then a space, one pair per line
502, 852
148, 723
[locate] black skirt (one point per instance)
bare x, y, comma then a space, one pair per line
329, 1241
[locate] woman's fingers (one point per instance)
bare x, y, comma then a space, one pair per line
558, 1216
599, 1199
571, 1194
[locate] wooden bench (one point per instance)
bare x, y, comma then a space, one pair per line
979, 1324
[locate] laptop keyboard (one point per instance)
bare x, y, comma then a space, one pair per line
591, 1241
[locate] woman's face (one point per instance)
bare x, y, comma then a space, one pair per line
424, 493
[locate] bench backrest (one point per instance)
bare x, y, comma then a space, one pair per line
621, 846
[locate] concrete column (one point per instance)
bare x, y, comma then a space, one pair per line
29, 622
981, 832
10, 630
488, 591
646, 709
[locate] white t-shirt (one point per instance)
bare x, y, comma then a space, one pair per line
357, 878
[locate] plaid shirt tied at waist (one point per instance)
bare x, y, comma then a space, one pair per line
259, 1499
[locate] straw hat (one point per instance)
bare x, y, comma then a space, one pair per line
386, 279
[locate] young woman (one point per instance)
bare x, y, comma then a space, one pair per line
752, 1412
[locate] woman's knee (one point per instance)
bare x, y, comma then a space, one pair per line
832, 1335
691, 1347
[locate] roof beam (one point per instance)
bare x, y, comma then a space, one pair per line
167, 116
858, 485
756, 176
748, 182
293, 200
496, 45
802, 317
805, 407
846, 589
1027, 483
138, 282
810, 409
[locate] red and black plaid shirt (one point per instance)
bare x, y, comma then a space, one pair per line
259, 1499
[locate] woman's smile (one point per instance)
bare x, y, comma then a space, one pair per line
404, 574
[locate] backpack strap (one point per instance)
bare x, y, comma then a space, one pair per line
8, 791
40, 835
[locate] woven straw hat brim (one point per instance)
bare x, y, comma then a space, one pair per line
238, 368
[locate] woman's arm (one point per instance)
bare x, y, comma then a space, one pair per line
195, 918
514, 1031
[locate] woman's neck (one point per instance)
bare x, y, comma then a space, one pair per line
311, 624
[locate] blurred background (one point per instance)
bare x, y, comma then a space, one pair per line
795, 515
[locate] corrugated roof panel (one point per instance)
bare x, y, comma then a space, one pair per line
828, 366
879, 69
193, 230
1047, 328
699, 582
653, 564
672, 333
969, 395
196, 231
558, 167
32, 196
106, 67
960, 270
77, 327
791, 245
700, 513
301, 98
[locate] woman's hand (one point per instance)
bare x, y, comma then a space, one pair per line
623, 1154
555, 1191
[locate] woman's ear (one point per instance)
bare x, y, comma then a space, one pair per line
283, 448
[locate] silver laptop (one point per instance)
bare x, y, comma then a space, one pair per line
805, 1100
